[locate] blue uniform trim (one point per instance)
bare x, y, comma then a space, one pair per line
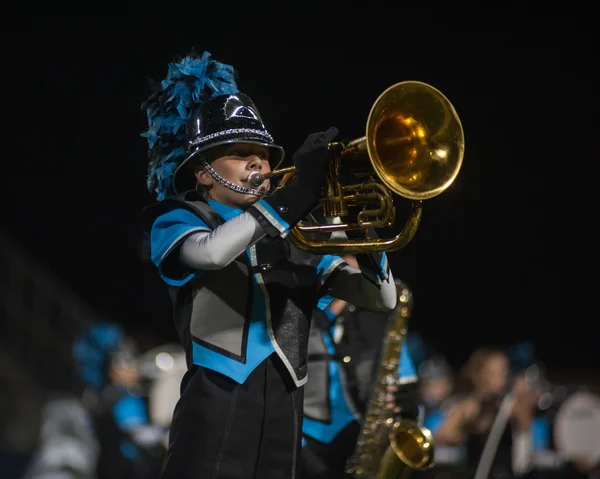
383, 267
272, 217
226, 212
407, 372
259, 342
433, 420
327, 265
168, 230
324, 302
540, 433
341, 415
259, 348
130, 412
128, 450
330, 314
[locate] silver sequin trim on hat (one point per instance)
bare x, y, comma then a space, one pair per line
233, 131
229, 184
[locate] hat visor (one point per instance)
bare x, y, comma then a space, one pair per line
184, 180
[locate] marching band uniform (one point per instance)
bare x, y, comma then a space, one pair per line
342, 368
243, 295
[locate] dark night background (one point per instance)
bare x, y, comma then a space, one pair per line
508, 252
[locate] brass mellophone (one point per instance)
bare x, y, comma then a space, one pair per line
413, 147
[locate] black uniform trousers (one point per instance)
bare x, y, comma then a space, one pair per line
225, 430
328, 460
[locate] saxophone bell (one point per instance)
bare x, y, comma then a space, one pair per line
411, 448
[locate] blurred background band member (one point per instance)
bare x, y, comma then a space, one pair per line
436, 389
130, 445
501, 451
344, 348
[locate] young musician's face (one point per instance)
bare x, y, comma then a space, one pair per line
493, 376
435, 390
234, 162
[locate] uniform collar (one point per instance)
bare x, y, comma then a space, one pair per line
225, 211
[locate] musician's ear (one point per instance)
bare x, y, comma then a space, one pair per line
203, 177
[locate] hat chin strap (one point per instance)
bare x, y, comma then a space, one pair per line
228, 184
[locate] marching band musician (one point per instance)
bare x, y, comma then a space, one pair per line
242, 294
494, 419
129, 442
344, 348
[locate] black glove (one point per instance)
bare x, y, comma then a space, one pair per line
407, 398
312, 160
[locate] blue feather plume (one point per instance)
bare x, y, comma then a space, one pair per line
189, 82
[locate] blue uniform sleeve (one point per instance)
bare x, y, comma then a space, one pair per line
130, 412
323, 305
168, 232
365, 287
282, 209
272, 222
328, 264
433, 420
540, 432
374, 266
407, 372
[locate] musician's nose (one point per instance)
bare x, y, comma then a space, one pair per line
254, 163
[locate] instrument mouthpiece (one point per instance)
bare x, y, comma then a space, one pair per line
255, 179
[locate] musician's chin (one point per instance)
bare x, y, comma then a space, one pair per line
246, 200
